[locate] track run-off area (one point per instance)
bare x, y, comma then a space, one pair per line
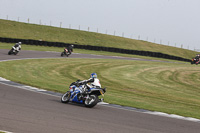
26, 109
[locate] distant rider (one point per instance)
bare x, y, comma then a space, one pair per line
93, 80
17, 46
197, 58
70, 49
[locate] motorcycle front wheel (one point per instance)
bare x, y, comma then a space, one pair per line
62, 54
91, 101
66, 97
10, 52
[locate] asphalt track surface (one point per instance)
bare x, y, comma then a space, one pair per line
24, 111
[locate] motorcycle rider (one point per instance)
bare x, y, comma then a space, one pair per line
197, 58
17, 46
69, 48
93, 80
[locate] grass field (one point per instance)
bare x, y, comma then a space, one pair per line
14, 29
167, 87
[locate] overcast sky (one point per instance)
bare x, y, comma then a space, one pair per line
173, 22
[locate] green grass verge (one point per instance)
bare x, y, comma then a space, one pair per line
166, 87
14, 29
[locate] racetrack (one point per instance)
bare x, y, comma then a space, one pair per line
24, 111
40, 54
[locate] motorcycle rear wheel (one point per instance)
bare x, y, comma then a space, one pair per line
66, 97
62, 54
91, 101
16, 53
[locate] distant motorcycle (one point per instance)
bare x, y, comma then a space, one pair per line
195, 61
65, 52
14, 51
88, 98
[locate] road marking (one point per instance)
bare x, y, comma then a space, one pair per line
174, 116
2, 79
5, 131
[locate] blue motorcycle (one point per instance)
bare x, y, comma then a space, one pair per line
83, 94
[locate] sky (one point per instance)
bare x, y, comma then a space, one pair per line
168, 22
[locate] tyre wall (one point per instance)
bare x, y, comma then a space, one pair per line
96, 48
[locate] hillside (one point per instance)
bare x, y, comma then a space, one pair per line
21, 30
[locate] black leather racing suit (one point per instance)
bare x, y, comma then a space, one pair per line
85, 82
70, 49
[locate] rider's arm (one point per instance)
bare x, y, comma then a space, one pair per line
87, 81
90, 80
